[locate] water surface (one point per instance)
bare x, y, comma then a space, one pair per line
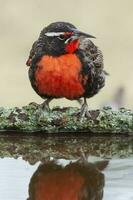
16, 173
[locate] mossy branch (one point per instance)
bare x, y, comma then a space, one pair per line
30, 119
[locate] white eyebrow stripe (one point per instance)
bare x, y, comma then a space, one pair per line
52, 34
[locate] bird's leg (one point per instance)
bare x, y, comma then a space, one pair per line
43, 108
45, 104
84, 110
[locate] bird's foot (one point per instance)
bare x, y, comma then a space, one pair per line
45, 106
84, 112
43, 109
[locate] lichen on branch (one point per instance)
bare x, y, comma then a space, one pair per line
31, 119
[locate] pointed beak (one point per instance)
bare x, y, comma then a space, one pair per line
80, 33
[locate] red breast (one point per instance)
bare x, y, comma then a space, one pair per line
59, 76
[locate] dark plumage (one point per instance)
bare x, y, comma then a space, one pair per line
58, 40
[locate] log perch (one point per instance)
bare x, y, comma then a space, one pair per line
29, 119
28, 132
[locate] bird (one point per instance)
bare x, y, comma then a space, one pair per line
65, 63
79, 180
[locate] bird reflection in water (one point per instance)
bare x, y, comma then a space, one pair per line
80, 180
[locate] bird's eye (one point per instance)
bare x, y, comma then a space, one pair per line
62, 37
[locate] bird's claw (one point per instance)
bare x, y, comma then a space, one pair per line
43, 109
84, 112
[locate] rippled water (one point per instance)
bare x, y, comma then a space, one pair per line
15, 176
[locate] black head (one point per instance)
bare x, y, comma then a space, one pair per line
59, 38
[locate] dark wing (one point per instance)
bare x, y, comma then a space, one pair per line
32, 53
92, 72
36, 51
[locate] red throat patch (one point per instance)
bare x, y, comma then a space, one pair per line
59, 76
72, 46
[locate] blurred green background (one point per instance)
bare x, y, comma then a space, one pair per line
110, 21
